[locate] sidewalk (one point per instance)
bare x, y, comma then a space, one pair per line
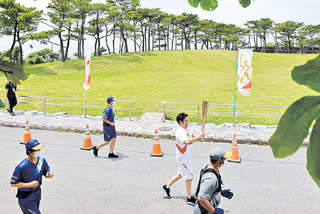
137, 127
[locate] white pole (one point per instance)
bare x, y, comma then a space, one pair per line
235, 91
84, 104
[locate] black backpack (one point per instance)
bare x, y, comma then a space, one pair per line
204, 171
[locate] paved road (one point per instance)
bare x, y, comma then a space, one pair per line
132, 183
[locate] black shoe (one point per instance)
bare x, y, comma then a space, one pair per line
9, 110
167, 190
111, 155
13, 114
192, 201
95, 151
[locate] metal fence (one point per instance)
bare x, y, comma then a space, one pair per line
164, 109
85, 106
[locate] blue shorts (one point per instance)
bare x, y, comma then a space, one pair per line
109, 132
30, 204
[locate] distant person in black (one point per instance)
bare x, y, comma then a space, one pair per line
11, 88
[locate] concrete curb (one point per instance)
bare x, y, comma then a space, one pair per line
248, 141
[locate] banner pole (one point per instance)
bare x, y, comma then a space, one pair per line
84, 104
84, 90
235, 91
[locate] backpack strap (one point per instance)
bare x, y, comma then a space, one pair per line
217, 175
207, 170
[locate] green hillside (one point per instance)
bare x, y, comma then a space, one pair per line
174, 76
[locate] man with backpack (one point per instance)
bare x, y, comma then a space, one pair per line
209, 190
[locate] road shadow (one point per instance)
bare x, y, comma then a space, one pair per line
121, 156
176, 197
184, 198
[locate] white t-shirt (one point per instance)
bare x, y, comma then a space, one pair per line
184, 156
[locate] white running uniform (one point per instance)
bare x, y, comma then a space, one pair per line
183, 154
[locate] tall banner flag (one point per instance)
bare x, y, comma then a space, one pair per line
244, 69
87, 83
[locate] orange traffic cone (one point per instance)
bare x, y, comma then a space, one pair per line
87, 144
27, 134
156, 150
234, 151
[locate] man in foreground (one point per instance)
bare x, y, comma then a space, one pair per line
27, 177
209, 186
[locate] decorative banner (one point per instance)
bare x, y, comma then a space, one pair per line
87, 83
245, 71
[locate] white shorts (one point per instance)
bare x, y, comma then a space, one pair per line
185, 170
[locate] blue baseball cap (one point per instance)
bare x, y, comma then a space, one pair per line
110, 99
33, 144
219, 153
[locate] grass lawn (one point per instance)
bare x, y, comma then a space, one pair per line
174, 76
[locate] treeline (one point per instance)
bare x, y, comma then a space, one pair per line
118, 25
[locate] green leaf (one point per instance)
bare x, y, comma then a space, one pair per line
294, 126
194, 3
2, 104
209, 5
245, 3
308, 74
313, 151
135, 2
13, 71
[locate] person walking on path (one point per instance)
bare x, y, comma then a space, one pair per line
183, 157
109, 130
209, 186
27, 177
10, 95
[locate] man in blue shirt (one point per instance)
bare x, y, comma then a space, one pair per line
109, 130
28, 177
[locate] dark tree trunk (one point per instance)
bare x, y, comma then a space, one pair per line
168, 38
143, 41
20, 49
195, 41
125, 43
68, 44
82, 37
62, 58
173, 38
95, 47
149, 39
14, 41
99, 45
113, 40
107, 45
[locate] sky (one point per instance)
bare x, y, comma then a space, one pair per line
228, 11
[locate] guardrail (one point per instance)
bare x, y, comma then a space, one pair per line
213, 112
45, 99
